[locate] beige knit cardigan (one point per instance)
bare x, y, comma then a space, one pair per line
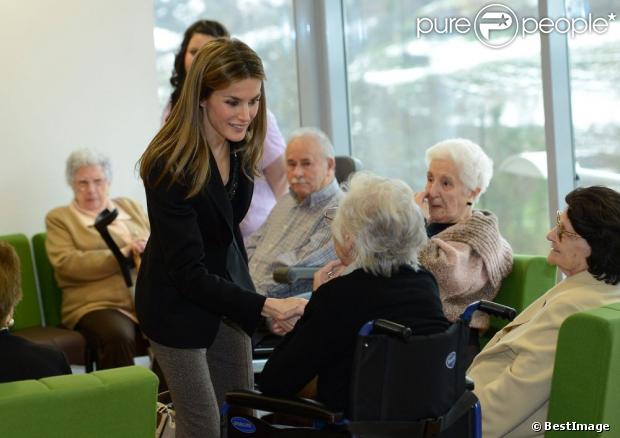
469, 261
85, 268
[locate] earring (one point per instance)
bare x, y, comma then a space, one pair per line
11, 322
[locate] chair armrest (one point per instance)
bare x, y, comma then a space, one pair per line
294, 406
290, 275
489, 307
469, 383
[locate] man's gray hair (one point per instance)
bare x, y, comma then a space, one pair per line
327, 148
386, 225
474, 165
86, 157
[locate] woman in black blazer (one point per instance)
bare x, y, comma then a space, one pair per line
378, 231
21, 359
194, 297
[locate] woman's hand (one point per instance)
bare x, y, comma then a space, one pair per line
134, 248
281, 328
282, 309
328, 272
137, 246
421, 198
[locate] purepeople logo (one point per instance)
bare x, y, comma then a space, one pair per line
496, 25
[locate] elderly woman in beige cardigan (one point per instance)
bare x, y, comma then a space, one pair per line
466, 252
95, 299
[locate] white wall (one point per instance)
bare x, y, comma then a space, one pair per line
73, 73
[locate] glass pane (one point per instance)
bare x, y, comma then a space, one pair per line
595, 75
408, 92
265, 25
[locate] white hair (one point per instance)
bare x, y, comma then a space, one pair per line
327, 148
474, 165
86, 157
385, 224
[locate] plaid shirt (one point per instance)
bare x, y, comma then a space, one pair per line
294, 234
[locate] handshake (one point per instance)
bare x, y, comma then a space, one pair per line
283, 313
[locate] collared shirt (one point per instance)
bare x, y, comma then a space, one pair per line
294, 234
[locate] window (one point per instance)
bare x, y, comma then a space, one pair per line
595, 74
407, 93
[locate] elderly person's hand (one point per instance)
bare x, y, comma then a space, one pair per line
281, 328
328, 272
283, 314
134, 248
421, 199
282, 309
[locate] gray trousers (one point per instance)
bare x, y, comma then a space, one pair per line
199, 379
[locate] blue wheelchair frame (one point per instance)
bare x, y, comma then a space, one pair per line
364, 420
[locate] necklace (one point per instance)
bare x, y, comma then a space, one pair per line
234, 176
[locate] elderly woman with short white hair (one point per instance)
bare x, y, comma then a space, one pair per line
466, 252
95, 298
378, 233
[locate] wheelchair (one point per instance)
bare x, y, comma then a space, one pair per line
403, 386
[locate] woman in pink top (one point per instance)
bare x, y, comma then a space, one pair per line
272, 184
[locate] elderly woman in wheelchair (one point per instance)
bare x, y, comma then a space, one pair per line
377, 233
373, 334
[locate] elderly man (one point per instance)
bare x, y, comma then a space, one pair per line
296, 233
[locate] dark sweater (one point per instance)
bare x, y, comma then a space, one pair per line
21, 359
323, 341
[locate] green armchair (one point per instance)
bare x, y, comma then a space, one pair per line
117, 403
531, 277
586, 377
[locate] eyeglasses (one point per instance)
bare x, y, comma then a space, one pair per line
330, 213
560, 230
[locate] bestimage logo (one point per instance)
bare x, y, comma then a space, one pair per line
496, 25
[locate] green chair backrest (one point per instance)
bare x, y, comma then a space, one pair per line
51, 295
586, 379
531, 277
28, 311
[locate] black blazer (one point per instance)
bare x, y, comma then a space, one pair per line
323, 341
187, 281
21, 359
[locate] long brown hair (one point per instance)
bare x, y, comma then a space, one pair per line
180, 148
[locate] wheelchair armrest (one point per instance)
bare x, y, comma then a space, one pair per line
289, 275
469, 383
498, 310
294, 406
393, 329
489, 307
